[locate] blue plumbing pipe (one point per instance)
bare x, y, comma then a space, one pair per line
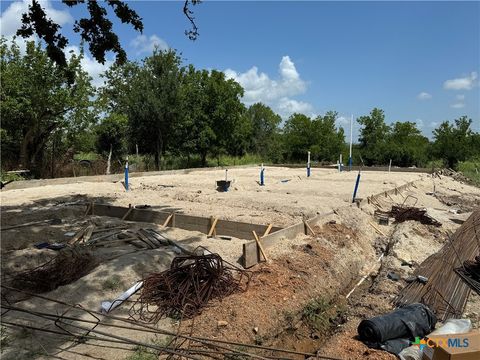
308, 170
262, 177
350, 162
356, 187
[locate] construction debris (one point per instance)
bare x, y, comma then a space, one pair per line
470, 273
108, 306
186, 288
453, 174
69, 265
441, 289
404, 213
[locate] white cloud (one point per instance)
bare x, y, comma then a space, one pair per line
11, 18
419, 123
463, 83
459, 102
424, 96
145, 45
343, 121
276, 93
90, 65
288, 106
10, 22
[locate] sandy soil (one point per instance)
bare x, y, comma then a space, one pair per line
280, 203
328, 265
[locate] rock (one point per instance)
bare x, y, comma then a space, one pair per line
393, 276
255, 330
221, 323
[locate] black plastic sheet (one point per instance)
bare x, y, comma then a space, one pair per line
395, 331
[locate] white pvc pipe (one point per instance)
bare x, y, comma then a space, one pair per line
351, 135
108, 306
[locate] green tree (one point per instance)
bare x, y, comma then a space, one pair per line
111, 134
455, 142
95, 29
406, 145
212, 117
373, 137
38, 100
328, 140
264, 128
297, 136
148, 94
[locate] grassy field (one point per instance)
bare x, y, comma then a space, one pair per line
471, 169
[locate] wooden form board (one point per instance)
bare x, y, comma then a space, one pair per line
393, 191
251, 255
236, 229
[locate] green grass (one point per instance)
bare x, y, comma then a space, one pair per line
471, 169
4, 338
142, 353
113, 283
91, 156
321, 313
4, 177
435, 164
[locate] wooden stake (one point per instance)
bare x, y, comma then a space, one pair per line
269, 228
88, 209
77, 236
377, 229
167, 220
308, 227
130, 208
212, 228
88, 233
25, 224
260, 245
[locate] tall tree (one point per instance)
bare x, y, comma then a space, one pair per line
264, 126
373, 137
406, 145
39, 100
211, 119
328, 140
153, 103
455, 142
297, 136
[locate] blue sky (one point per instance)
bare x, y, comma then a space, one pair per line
419, 61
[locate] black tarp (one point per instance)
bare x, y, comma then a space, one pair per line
395, 331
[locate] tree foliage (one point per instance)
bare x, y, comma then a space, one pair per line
456, 141
373, 137
38, 101
320, 136
96, 30
169, 109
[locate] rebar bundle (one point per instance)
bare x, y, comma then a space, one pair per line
470, 273
185, 289
404, 213
444, 291
69, 265
86, 325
